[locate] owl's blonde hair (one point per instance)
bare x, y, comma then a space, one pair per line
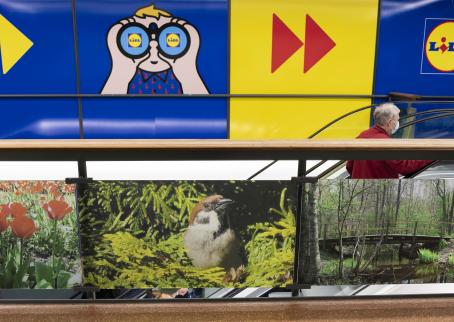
152, 11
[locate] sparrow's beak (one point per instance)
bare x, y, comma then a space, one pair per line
223, 203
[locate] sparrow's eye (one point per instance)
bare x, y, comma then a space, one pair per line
206, 204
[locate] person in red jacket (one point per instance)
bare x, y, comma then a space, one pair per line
386, 123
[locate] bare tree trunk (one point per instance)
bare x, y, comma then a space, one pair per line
382, 226
340, 230
360, 236
310, 240
399, 191
363, 197
389, 206
313, 233
441, 191
409, 206
361, 252
305, 258
451, 213
343, 210
319, 211
377, 203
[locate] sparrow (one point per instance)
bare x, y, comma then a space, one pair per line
209, 240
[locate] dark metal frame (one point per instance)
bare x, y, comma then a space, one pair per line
210, 154
82, 155
423, 99
223, 300
299, 224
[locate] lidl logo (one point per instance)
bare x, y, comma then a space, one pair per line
173, 40
438, 49
286, 43
134, 40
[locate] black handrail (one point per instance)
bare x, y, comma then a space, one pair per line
330, 169
404, 126
443, 111
315, 167
440, 110
316, 133
441, 115
340, 118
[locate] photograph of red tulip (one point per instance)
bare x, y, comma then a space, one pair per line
143, 234
39, 245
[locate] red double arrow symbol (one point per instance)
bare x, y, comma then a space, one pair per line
286, 43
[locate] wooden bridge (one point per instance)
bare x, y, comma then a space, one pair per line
387, 239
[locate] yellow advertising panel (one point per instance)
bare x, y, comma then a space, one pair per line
300, 47
295, 118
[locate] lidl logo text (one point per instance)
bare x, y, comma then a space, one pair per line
134, 40
173, 40
438, 56
434, 46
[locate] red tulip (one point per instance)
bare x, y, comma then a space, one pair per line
17, 210
37, 188
14, 215
57, 209
53, 190
70, 188
5, 211
23, 227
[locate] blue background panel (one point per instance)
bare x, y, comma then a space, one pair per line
400, 48
401, 65
155, 118
39, 119
47, 68
49, 65
431, 125
163, 118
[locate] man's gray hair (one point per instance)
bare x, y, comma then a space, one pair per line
385, 112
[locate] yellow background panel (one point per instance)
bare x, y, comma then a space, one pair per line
295, 118
346, 69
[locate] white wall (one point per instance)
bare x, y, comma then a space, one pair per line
154, 170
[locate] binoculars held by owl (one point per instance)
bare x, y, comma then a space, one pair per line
133, 40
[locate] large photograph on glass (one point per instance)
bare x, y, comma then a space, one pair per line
385, 231
39, 244
142, 234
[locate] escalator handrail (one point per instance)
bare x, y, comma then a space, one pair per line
442, 111
442, 115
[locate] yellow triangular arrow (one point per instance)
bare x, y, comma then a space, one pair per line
13, 44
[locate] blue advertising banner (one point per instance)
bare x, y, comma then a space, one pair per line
415, 48
37, 57
415, 54
144, 49
169, 47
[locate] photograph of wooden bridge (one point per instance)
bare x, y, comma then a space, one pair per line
378, 231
